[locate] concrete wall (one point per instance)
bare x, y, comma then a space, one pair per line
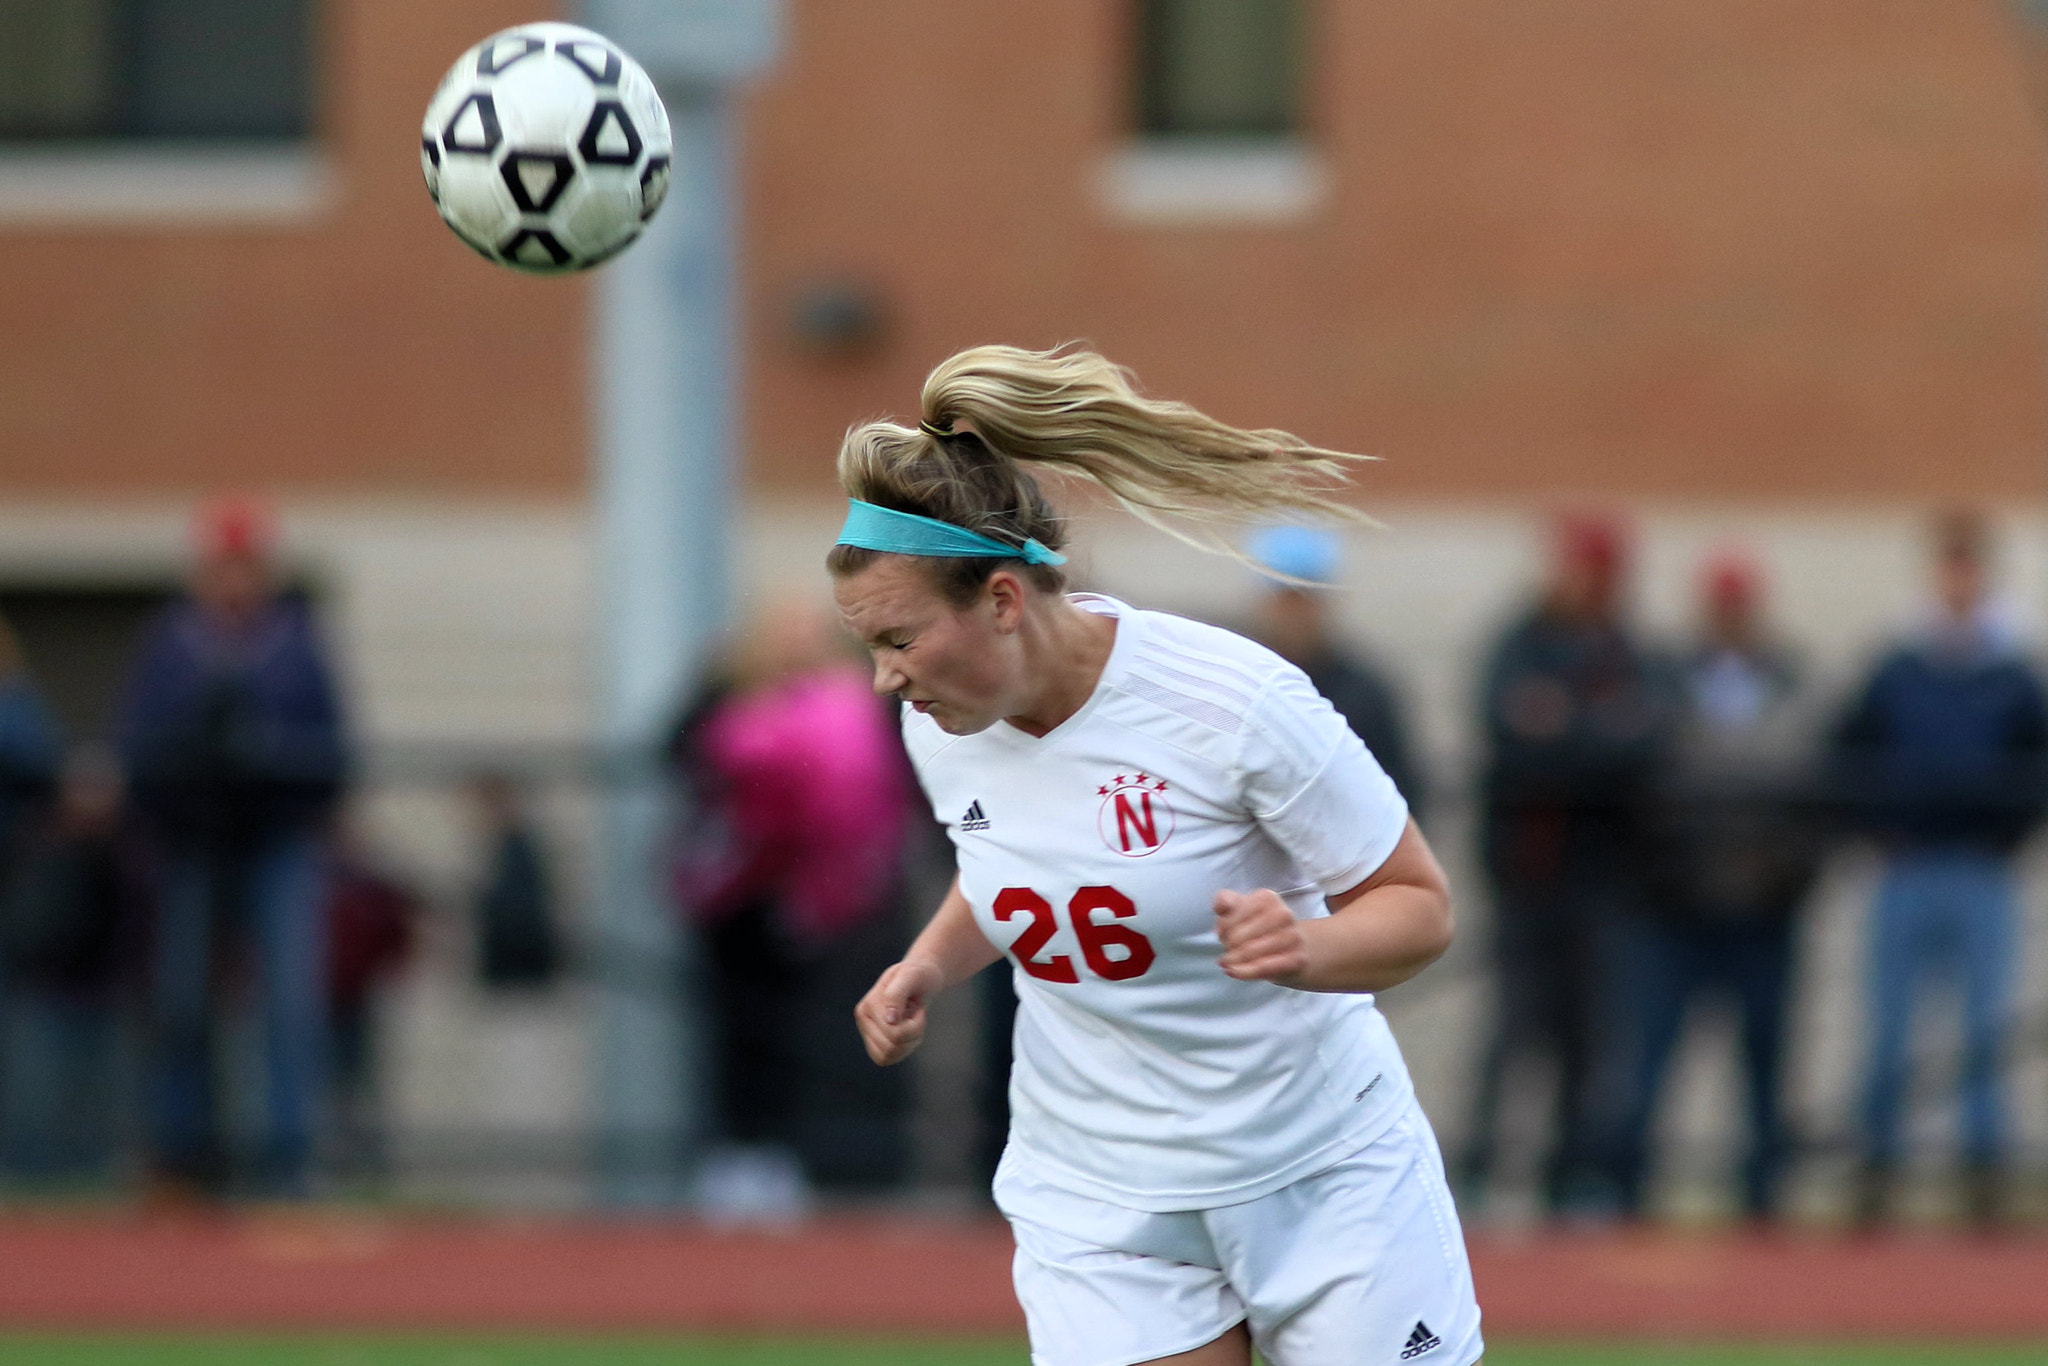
1426, 591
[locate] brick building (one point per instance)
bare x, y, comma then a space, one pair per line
1732, 249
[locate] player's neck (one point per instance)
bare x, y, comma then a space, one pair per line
1065, 651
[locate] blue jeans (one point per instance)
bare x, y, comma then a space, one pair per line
1655, 970
271, 899
1547, 945
1941, 914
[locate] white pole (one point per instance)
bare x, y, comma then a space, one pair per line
663, 384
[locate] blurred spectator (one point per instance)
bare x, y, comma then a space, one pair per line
1578, 718
371, 927
1294, 622
29, 754
1941, 759
64, 916
30, 749
791, 867
517, 942
1741, 842
233, 741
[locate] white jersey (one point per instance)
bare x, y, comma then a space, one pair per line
1144, 1075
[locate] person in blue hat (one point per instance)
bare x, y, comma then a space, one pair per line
1293, 620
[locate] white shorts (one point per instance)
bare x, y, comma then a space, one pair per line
1359, 1264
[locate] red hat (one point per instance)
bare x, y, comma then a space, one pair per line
1592, 539
235, 527
1731, 578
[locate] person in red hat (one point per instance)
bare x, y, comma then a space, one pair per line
1742, 837
1577, 716
232, 737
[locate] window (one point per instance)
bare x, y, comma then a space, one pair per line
1209, 68
1218, 119
143, 69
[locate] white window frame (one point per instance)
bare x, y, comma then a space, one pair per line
159, 183
1191, 181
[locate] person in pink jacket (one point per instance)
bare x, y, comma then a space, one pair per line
789, 864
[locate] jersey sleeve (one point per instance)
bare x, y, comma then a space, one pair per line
1315, 788
922, 741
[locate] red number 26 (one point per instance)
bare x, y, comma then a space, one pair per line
1097, 937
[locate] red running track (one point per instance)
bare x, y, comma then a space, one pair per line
325, 1270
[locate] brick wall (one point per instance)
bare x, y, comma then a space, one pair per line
1742, 249
365, 351
1745, 249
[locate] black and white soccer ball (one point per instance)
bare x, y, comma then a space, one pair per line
546, 148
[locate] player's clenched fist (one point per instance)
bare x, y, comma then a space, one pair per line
1262, 941
891, 1016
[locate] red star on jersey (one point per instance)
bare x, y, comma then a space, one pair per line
1120, 780
1102, 791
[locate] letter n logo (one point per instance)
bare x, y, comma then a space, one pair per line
1135, 818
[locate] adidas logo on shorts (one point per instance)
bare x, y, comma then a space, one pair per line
974, 820
1420, 1341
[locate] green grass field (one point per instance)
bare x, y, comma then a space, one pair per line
551, 1350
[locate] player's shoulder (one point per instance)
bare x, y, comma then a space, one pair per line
1165, 640
1207, 674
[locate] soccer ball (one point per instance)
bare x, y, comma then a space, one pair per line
546, 148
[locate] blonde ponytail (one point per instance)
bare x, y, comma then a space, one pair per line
1081, 415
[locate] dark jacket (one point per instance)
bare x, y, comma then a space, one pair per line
1944, 747
232, 738
66, 909
517, 943
1579, 721
30, 751
1743, 820
49, 893
1368, 704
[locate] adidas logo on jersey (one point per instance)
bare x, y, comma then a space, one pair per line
1420, 1341
974, 820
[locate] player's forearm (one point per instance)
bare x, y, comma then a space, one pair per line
1378, 939
952, 942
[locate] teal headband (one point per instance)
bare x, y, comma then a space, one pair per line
905, 533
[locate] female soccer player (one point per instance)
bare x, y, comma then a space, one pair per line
1198, 871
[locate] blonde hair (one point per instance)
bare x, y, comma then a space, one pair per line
1081, 415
